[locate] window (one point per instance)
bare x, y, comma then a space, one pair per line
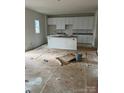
37, 26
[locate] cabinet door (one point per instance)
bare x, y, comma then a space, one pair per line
83, 22
60, 26
66, 20
63, 26
51, 21
62, 20
80, 23
90, 22
75, 22
89, 39
82, 38
70, 20
60, 23
85, 39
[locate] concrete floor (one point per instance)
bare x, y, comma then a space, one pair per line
50, 77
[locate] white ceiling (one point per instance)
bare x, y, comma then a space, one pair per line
53, 7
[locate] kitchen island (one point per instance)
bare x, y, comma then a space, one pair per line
62, 42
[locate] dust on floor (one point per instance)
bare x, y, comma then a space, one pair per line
76, 77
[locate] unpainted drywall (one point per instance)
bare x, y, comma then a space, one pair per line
32, 39
96, 39
95, 34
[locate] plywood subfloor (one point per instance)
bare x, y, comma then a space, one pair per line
76, 77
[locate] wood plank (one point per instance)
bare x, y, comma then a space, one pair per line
66, 58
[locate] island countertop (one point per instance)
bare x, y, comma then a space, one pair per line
61, 36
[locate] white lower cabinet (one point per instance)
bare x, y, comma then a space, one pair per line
82, 39
62, 42
89, 39
85, 38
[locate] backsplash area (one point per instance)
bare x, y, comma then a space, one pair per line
68, 30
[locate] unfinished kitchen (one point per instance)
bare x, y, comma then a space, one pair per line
61, 43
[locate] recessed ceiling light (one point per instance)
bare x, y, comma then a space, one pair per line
58, 0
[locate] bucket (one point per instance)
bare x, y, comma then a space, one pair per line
78, 56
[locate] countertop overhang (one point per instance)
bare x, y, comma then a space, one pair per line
62, 36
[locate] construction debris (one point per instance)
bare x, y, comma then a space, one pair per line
27, 91
26, 80
45, 60
58, 78
78, 57
33, 82
64, 60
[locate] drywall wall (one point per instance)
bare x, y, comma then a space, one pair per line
95, 34
96, 39
32, 39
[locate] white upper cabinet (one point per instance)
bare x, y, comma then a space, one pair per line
51, 21
76, 22
60, 23
68, 20
60, 26
83, 23
90, 22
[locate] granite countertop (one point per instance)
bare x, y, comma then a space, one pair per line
62, 36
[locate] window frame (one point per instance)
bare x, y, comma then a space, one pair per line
37, 26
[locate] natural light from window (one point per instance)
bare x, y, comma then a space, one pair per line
37, 26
